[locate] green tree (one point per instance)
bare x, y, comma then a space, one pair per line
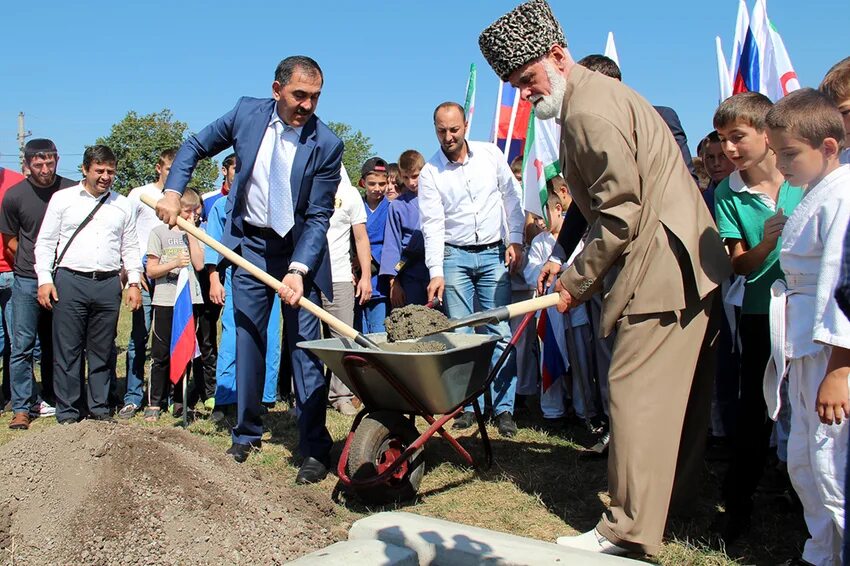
137, 142
358, 148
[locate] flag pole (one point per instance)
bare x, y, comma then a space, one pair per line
185, 397
495, 134
510, 135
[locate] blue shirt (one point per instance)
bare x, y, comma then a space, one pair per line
215, 229
403, 238
376, 221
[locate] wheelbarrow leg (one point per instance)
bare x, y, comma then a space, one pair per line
485, 440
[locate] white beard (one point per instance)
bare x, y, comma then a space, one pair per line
549, 106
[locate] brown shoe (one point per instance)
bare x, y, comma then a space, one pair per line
21, 421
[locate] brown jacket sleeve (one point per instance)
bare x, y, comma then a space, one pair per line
601, 159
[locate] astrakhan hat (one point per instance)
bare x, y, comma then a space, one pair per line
520, 36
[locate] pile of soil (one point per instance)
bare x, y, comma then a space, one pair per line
414, 321
414, 347
99, 493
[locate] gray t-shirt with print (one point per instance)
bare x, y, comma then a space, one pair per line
167, 244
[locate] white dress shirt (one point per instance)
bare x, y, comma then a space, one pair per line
465, 204
257, 187
146, 218
102, 245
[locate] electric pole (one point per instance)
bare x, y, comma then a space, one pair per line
23, 134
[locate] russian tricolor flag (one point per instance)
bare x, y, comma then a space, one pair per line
550, 329
511, 122
184, 346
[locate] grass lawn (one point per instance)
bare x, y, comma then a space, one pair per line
541, 485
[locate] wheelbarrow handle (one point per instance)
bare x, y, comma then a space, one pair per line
507, 312
273, 282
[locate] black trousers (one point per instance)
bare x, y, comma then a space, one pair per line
161, 357
203, 368
84, 319
751, 442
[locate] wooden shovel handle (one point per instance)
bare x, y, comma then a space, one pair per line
236, 259
531, 305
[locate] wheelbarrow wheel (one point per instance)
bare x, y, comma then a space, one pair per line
379, 440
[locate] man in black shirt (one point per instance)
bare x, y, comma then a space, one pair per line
21, 215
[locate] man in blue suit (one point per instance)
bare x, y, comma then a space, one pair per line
278, 210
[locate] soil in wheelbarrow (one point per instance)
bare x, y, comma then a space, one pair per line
99, 493
414, 321
414, 347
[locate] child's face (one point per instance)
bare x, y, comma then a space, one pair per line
410, 179
556, 218
375, 185
392, 186
518, 175
799, 162
716, 163
163, 169
744, 145
187, 211
844, 108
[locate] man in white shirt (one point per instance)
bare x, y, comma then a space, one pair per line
90, 245
466, 193
349, 218
146, 221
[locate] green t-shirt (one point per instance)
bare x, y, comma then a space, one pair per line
741, 214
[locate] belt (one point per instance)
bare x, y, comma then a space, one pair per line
478, 247
94, 275
259, 231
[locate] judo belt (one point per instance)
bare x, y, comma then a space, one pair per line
777, 366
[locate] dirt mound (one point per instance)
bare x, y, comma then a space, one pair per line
414, 321
95, 493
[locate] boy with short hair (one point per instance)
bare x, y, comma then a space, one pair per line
812, 345
374, 176
750, 210
836, 85
169, 251
403, 267
394, 187
717, 165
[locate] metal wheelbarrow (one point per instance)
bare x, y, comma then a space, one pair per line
383, 459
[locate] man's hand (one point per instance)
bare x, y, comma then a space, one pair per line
397, 297
550, 271
436, 287
513, 257
363, 290
773, 228
566, 301
47, 296
217, 293
168, 207
833, 401
292, 289
134, 298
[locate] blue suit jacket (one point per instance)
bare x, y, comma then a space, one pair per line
314, 179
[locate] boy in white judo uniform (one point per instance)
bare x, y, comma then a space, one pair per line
810, 336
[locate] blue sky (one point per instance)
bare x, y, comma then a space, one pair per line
75, 68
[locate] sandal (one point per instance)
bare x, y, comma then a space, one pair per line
151, 414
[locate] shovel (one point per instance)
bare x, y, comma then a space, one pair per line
336, 324
500, 314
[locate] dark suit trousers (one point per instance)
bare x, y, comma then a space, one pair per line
252, 302
84, 319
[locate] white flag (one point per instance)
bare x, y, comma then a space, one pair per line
542, 145
611, 49
723, 72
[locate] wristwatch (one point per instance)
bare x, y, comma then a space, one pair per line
296, 271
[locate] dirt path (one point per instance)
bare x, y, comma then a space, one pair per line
94, 493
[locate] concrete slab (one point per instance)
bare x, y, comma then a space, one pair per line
360, 553
443, 543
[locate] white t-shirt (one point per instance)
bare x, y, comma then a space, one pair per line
146, 218
349, 210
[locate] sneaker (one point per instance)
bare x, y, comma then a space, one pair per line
593, 541
127, 411
42, 409
176, 410
464, 420
346, 408
506, 425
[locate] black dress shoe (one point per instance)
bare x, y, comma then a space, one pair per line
103, 418
240, 452
506, 425
311, 471
464, 420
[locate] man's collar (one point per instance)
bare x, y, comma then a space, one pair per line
444, 159
275, 117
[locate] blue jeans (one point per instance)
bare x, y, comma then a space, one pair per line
370, 317
6, 280
137, 352
30, 320
480, 279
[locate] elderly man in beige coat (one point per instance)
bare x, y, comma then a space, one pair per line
655, 253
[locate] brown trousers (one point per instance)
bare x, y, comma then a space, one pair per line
660, 381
